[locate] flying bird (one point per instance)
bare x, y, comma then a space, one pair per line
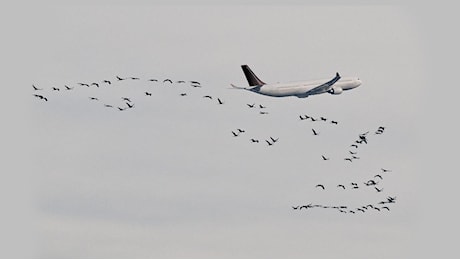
352, 152
324, 158
183, 94
93, 98
378, 190
314, 132
263, 112
119, 78
303, 118
341, 186
94, 84
35, 88
251, 106
56, 89
387, 208
323, 118
262, 107
41, 97
107, 81
167, 80
254, 140
241, 130
220, 101
67, 87
148, 93
385, 170
180, 81
378, 176
121, 109
129, 105
334, 122
153, 80
106, 105
320, 186
83, 84
196, 86
134, 78
294, 208
235, 134
354, 145
268, 142
195, 82
126, 99
274, 140
207, 96
348, 159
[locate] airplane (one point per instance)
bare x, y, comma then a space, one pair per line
302, 89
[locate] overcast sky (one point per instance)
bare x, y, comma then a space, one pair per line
167, 178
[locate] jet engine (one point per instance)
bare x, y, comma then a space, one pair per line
336, 91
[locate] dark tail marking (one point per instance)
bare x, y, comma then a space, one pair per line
253, 80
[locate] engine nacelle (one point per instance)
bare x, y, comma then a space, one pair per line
336, 91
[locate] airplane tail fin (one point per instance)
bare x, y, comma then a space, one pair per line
253, 80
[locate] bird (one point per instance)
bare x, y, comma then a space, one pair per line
371, 183
313, 119
121, 109
354, 145
254, 140
378, 190
362, 210
341, 186
263, 112
93, 98
148, 93
183, 94
268, 142
220, 101
134, 78
334, 122
385, 170
262, 106
83, 84
195, 82
56, 89
107, 81
207, 96
153, 80
376, 208
323, 118
274, 140
295, 207
320, 186
106, 105
251, 106
35, 88
129, 105
355, 157
235, 134
352, 152
241, 130
378, 176
324, 158
348, 159
167, 80
94, 84
119, 78
354, 184
303, 118
351, 211
67, 87
314, 132
180, 81
387, 208
196, 86
41, 97
126, 99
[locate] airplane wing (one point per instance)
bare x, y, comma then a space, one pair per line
324, 87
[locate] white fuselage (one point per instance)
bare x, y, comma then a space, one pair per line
302, 89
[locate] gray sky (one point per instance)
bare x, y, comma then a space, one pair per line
167, 179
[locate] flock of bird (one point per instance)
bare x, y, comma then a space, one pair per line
126, 103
